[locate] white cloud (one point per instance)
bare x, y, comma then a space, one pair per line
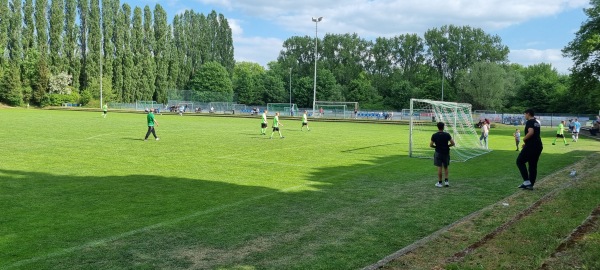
236, 28
257, 49
391, 17
528, 57
375, 18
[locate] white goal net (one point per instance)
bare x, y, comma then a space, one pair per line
335, 109
424, 115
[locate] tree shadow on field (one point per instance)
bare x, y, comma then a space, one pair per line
341, 217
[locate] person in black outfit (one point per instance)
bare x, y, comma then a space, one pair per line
441, 158
530, 151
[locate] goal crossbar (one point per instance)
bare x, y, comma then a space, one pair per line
425, 113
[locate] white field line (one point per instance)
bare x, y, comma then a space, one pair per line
109, 239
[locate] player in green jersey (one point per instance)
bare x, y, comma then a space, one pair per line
264, 123
304, 122
151, 123
276, 125
105, 110
560, 133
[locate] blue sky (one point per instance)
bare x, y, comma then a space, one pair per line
534, 30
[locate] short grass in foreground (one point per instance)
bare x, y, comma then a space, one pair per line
81, 191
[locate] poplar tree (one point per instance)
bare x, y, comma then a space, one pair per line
15, 48
83, 7
148, 64
94, 46
42, 71
128, 80
117, 80
137, 45
71, 50
4, 22
28, 26
57, 26
224, 49
160, 53
41, 26
108, 25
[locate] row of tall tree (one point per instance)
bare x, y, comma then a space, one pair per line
58, 51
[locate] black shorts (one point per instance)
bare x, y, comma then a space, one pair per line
275, 129
559, 136
105, 112
440, 160
263, 125
304, 124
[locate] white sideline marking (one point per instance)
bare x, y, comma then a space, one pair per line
100, 135
100, 242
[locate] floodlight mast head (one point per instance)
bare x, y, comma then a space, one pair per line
317, 19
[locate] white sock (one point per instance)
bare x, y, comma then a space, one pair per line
527, 182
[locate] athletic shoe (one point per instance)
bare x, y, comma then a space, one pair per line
145, 140
157, 139
529, 187
553, 144
438, 184
446, 184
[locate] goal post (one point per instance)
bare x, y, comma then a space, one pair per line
457, 117
336, 109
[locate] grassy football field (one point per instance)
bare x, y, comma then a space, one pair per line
78, 191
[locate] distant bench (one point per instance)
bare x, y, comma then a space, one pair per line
71, 105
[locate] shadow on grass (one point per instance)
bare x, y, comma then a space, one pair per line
341, 217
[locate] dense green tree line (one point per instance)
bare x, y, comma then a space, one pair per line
467, 63
138, 54
141, 56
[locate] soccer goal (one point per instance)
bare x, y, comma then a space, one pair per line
424, 114
141, 105
336, 109
289, 109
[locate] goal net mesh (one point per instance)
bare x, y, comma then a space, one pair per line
283, 108
335, 109
424, 115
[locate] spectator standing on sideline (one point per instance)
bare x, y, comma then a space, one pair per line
530, 151
485, 129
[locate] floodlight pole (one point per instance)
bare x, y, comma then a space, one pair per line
100, 80
317, 20
101, 54
291, 109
